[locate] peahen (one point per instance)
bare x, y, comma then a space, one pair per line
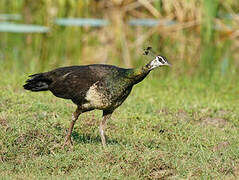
95, 86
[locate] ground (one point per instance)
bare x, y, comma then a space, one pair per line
168, 128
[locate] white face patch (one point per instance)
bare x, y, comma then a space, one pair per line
158, 61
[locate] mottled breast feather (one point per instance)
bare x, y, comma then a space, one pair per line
94, 99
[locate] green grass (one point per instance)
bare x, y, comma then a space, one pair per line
168, 128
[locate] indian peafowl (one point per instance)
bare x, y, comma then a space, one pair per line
95, 86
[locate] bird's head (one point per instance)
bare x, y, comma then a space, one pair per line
157, 62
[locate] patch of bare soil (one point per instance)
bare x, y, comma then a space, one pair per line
212, 117
236, 170
182, 115
28, 137
4, 123
213, 121
220, 146
161, 171
222, 112
164, 111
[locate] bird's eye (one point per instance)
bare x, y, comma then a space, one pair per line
161, 60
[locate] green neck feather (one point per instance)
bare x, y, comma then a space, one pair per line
138, 74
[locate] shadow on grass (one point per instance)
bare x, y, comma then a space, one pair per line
89, 139
86, 138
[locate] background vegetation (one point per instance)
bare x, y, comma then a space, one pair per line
204, 38
179, 123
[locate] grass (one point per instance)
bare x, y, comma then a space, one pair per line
169, 128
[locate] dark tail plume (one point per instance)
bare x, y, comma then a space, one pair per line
37, 82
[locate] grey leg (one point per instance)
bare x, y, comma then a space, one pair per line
106, 116
75, 116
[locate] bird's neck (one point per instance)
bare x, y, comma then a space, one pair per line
138, 74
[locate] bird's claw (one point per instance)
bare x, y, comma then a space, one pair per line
68, 142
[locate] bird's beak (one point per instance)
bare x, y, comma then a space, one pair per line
168, 64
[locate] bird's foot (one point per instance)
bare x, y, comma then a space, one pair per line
103, 142
68, 142
103, 145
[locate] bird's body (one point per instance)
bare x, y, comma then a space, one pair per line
96, 86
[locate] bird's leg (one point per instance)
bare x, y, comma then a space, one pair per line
75, 116
106, 116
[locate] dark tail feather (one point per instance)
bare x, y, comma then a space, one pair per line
37, 82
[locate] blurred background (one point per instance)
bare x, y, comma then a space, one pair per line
200, 38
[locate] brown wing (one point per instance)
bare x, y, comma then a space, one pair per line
73, 82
